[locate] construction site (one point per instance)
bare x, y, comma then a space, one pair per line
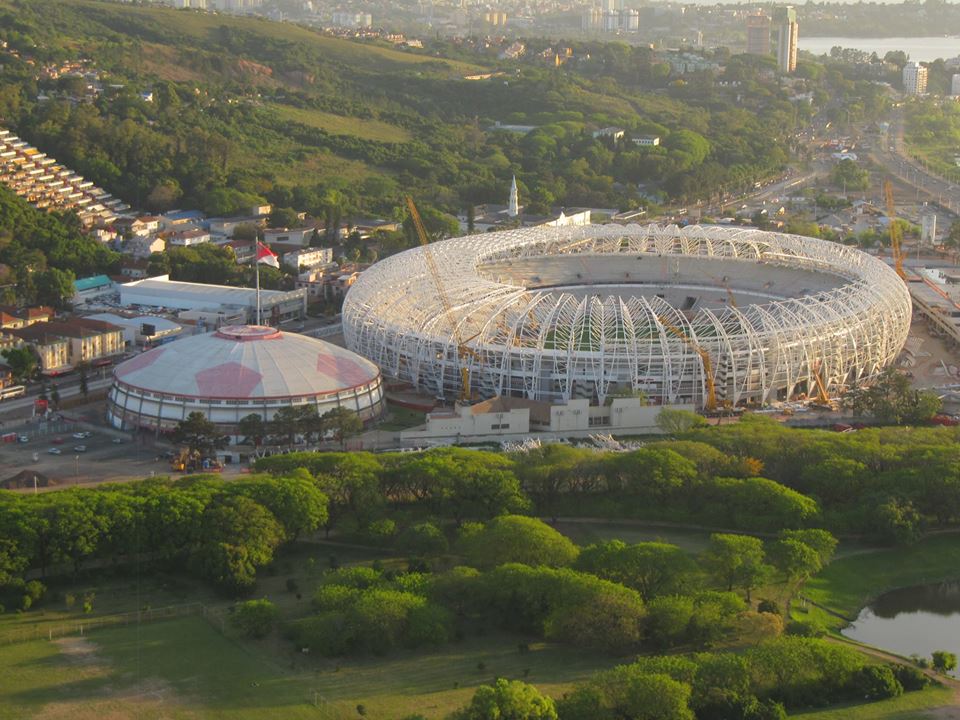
706, 316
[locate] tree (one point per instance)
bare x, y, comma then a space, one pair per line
847, 174
892, 400
628, 692
295, 420
796, 560
651, 568
342, 423
514, 538
675, 422
199, 434
736, 561
21, 361
423, 540
55, 396
508, 700
253, 428
254, 618
944, 661
237, 537
83, 370
296, 501
55, 287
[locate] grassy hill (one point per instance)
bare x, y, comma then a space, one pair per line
247, 110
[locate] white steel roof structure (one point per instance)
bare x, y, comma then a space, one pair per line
595, 311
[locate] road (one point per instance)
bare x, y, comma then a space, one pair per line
892, 155
23, 407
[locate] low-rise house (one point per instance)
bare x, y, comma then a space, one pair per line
144, 247
646, 140
180, 219
298, 236
186, 238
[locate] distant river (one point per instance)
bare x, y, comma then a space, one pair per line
923, 49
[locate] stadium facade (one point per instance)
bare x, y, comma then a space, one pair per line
609, 310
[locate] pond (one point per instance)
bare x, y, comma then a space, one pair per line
914, 620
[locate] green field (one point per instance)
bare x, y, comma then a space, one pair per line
850, 582
910, 706
339, 125
187, 669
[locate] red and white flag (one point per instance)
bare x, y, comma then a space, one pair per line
267, 256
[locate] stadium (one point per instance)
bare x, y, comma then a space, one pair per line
237, 371
703, 314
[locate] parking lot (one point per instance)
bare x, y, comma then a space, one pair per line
106, 454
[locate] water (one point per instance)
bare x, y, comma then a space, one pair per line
916, 620
924, 49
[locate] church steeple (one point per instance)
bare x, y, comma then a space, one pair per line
514, 209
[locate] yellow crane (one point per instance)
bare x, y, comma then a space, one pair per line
895, 232
710, 405
823, 396
464, 352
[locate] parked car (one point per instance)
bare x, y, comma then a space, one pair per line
80, 448
57, 441
117, 441
54, 451
78, 436
23, 439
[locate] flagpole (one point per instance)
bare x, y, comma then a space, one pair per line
256, 261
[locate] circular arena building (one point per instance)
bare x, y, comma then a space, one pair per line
237, 371
605, 310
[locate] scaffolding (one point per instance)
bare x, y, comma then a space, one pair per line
586, 312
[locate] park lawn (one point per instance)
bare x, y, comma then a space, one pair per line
849, 583
401, 418
365, 129
185, 669
587, 532
909, 706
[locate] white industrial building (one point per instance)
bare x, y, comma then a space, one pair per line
277, 305
142, 329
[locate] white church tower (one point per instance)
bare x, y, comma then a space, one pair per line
514, 209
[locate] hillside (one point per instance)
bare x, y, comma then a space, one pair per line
244, 109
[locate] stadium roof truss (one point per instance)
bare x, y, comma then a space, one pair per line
601, 310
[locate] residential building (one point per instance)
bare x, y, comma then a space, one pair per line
181, 219
144, 247
142, 329
914, 78
62, 345
609, 132
134, 268
758, 33
646, 140
300, 236
308, 258
186, 238
788, 34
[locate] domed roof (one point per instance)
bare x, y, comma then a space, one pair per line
247, 362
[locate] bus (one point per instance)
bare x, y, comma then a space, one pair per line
14, 391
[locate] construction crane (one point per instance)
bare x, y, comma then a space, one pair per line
464, 352
710, 405
823, 396
895, 232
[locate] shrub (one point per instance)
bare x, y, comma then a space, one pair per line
292, 585
423, 540
877, 682
768, 606
254, 618
944, 661
806, 628
910, 677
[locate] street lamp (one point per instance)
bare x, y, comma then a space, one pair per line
77, 461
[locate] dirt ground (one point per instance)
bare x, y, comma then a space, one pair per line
147, 696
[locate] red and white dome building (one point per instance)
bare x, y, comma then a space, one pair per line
237, 371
